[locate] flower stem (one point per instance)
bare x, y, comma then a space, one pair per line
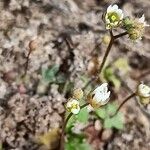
64, 126
120, 35
106, 54
124, 101
113, 38
27, 63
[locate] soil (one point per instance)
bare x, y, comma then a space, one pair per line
67, 33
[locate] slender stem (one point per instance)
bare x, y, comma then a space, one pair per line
113, 38
124, 101
64, 126
120, 35
103, 60
106, 54
27, 63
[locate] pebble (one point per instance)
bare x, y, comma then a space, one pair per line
98, 125
106, 135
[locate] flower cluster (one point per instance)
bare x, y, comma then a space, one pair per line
98, 97
143, 91
114, 17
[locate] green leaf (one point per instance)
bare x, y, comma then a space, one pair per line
76, 143
111, 108
110, 122
101, 112
107, 123
50, 73
117, 121
83, 115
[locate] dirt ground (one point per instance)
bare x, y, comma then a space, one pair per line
68, 33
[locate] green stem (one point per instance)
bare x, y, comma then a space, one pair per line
64, 126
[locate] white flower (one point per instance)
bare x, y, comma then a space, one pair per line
142, 20
73, 106
113, 17
143, 91
100, 96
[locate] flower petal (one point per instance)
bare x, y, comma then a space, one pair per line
75, 111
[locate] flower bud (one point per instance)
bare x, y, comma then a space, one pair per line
143, 91
33, 45
77, 93
144, 100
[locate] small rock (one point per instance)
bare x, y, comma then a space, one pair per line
22, 89
106, 135
98, 125
3, 89
42, 87
127, 137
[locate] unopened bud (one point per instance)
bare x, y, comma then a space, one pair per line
143, 91
33, 45
77, 93
144, 100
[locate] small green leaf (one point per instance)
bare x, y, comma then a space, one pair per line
83, 116
111, 108
107, 123
101, 112
77, 143
50, 73
110, 122
117, 121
